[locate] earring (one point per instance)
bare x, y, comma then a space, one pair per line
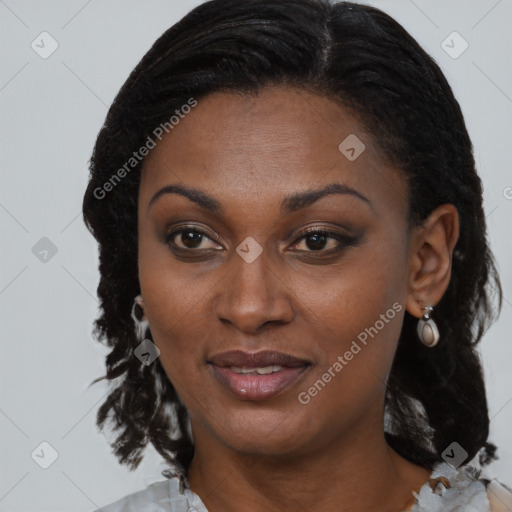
146, 351
427, 330
141, 325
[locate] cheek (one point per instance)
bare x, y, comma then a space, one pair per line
177, 323
361, 309
352, 296
174, 305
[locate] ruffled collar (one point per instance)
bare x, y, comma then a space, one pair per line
451, 489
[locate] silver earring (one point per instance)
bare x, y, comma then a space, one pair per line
146, 352
141, 324
427, 330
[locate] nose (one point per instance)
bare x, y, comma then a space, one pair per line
253, 296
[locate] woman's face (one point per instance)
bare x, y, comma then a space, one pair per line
277, 340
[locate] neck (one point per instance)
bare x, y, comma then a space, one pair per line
358, 472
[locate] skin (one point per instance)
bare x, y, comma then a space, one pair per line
249, 153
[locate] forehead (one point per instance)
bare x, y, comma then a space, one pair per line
267, 145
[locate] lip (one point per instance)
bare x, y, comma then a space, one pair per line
257, 387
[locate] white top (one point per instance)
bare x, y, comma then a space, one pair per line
464, 493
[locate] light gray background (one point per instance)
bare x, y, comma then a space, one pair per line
51, 110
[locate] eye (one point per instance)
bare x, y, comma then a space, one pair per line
321, 240
188, 238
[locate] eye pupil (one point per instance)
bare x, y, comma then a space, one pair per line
318, 241
191, 239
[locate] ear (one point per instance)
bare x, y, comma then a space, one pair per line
430, 258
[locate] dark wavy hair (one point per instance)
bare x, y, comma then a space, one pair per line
362, 58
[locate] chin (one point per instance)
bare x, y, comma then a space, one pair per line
265, 433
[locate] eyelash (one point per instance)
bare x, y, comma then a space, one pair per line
343, 239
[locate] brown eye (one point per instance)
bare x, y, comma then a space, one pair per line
190, 239
317, 240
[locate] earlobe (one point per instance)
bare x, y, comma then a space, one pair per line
430, 258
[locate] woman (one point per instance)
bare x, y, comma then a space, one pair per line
294, 268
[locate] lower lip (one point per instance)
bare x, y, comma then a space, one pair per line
257, 387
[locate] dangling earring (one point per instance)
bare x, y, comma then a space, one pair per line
141, 324
146, 352
427, 330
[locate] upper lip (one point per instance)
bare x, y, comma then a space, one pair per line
261, 359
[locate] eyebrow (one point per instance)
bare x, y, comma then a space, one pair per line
291, 203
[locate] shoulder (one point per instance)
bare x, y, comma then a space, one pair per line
465, 488
499, 496
157, 497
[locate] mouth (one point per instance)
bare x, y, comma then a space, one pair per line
257, 376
